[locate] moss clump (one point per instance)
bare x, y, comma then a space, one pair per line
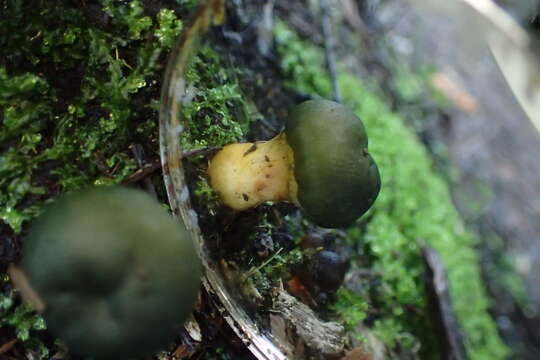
78, 86
414, 205
216, 115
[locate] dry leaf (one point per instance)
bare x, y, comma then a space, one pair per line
454, 92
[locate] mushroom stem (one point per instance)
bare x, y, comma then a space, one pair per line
247, 174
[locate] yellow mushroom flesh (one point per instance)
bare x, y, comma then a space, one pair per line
248, 174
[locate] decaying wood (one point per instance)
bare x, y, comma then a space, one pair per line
324, 338
186, 349
439, 298
279, 329
357, 353
190, 340
193, 329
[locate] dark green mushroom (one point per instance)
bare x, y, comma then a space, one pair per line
116, 274
337, 178
321, 163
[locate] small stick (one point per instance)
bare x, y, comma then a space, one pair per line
329, 48
439, 299
268, 261
150, 167
28, 293
143, 172
203, 151
7, 346
138, 152
264, 28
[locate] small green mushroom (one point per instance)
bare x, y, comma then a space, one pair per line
320, 163
117, 275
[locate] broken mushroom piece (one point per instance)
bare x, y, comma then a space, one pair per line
116, 274
320, 163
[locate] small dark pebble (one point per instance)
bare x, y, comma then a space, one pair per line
323, 272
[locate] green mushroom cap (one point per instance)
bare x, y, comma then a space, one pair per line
338, 180
117, 274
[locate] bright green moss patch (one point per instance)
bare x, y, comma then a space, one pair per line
215, 116
414, 207
21, 317
74, 97
22, 320
88, 89
352, 307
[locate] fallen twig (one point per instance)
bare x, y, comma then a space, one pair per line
439, 297
138, 152
28, 293
149, 167
268, 261
329, 48
454, 92
264, 28
325, 338
143, 172
7, 346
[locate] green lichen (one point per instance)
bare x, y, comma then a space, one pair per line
414, 207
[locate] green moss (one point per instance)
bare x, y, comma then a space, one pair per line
351, 306
83, 135
169, 27
24, 321
21, 317
216, 116
414, 206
